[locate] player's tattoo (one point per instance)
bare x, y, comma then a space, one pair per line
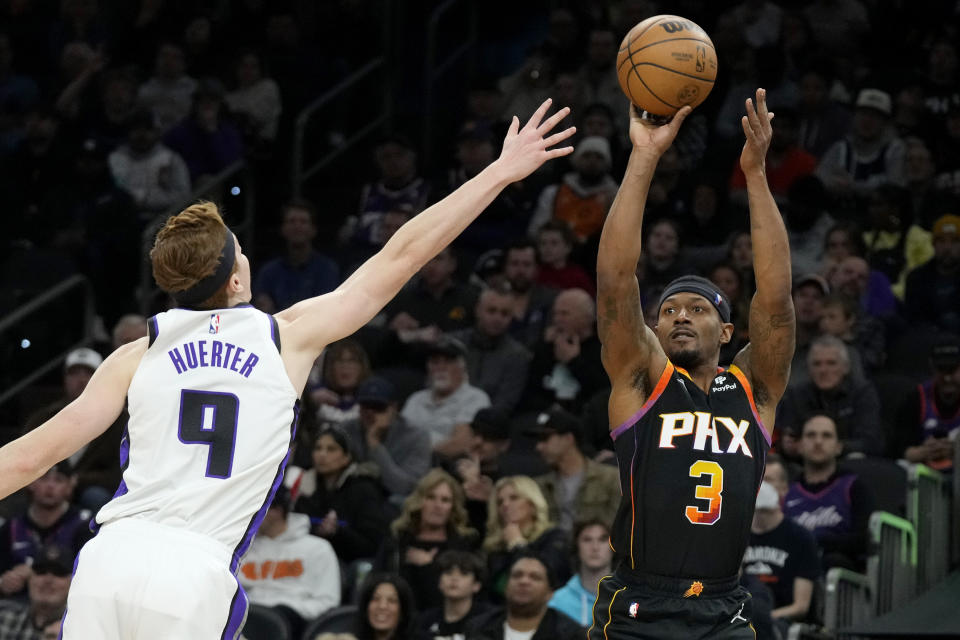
608, 315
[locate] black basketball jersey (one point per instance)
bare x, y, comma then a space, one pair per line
690, 467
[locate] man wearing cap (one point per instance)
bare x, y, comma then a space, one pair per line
576, 488
399, 450
96, 465
869, 156
784, 557
929, 421
690, 438
47, 589
496, 362
447, 406
583, 196
488, 460
809, 291
48, 519
933, 289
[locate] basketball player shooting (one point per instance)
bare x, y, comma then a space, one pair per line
690, 439
213, 407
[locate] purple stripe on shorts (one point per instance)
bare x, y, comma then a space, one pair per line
237, 616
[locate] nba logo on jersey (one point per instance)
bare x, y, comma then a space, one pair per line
214, 323
634, 608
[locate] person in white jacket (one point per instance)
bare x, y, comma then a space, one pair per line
287, 569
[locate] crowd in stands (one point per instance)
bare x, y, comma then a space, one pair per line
457, 447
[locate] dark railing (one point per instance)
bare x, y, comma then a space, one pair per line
48, 298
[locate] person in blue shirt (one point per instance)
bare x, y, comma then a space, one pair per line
593, 561
301, 272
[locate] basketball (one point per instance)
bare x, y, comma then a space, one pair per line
666, 62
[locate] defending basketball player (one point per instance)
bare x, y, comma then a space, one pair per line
690, 439
213, 406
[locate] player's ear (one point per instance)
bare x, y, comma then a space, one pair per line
726, 332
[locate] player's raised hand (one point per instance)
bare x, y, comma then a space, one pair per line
758, 132
647, 135
525, 149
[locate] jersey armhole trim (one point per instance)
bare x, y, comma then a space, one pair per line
274, 332
152, 331
654, 396
742, 378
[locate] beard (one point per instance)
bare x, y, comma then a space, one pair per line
687, 359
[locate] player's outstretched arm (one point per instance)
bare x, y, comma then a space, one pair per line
318, 321
772, 324
30, 456
630, 349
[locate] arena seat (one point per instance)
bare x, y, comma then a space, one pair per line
263, 623
335, 620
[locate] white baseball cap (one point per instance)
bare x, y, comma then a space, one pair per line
875, 99
83, 357
767, 497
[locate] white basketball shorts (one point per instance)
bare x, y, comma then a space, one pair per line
139, 580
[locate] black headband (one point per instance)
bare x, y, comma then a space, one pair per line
208, 286
701, 287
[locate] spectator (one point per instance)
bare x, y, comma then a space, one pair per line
526, 88
785, 558
96, 466
130, 327
207, 141
844, 239
435, 301
576, 487
566, 365
836, 507
808, 293
807, 223
593, 560
531, 301
927, 198
786, 161
776, 475
386, 609
932, 294
496, 362
837, 24
398, 184
596, 74
400, 452
929, 421
345, 506
555, 243
446, 408
728, 279
168, 94
289, 570
584, 195
345, 365
461, 578
48, 584
49, 519
854, 279
822, 120
518, 523
118, 102
256, 98
662, 261
895, 243
864, 339
154, 175
482, 467
852, 404
302, 272
434, 520
528, 590
870, 156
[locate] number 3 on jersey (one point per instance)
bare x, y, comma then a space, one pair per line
210, 418
712, 492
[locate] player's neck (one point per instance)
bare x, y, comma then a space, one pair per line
703, 375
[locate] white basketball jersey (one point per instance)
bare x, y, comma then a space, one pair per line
212, 416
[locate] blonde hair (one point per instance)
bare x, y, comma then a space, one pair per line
527, 489
409, 520
187, 250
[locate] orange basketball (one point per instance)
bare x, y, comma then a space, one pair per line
666, 62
